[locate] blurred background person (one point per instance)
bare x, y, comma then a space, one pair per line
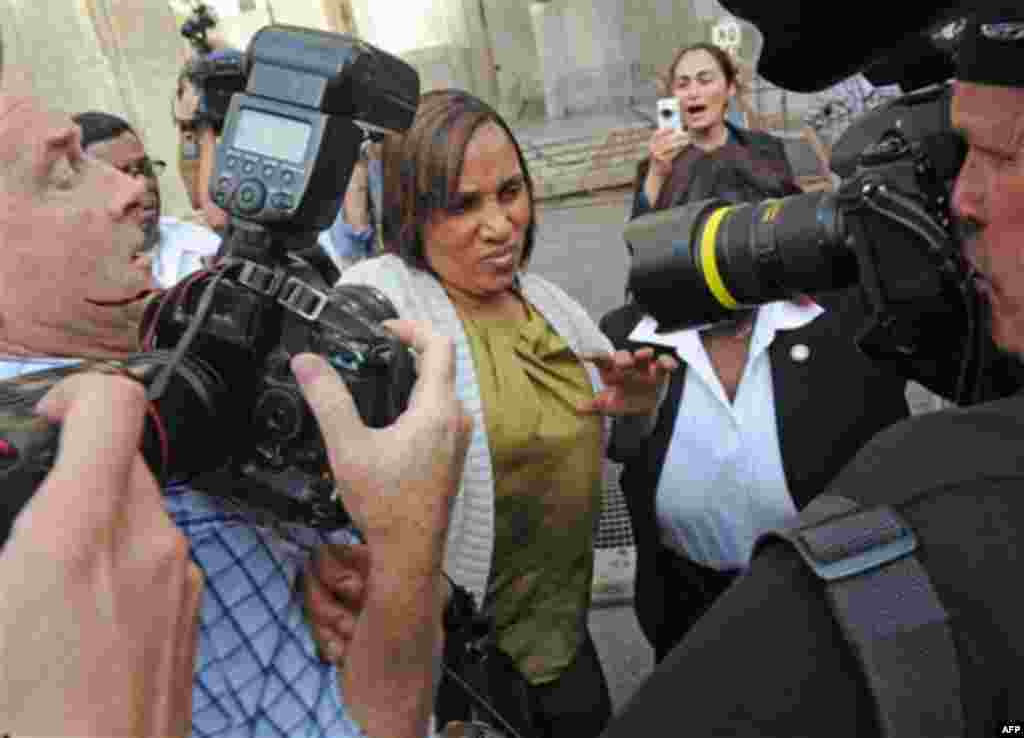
200, 103
174, 248
768, 405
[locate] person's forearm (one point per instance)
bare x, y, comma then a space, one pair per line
652, 186
391, 664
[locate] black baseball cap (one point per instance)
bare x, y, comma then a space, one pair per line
811, 44
991, 49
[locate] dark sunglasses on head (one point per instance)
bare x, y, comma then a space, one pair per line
145, 167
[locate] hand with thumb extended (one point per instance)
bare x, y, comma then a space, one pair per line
397, 482
99, 621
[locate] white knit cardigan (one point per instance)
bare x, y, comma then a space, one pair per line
418, 295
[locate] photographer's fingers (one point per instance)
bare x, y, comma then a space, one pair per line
343, 430
435, 413
436, 381
101, 417
112, 596
343, 568
435, 386
116, 498
334, 583
332, 618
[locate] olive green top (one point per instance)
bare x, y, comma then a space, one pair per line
547, 471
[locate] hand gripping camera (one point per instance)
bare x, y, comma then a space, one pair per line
227, 415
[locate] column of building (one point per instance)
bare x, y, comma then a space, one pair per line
611, 60
553, 53
584, 55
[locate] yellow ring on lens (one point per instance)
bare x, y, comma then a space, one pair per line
709, 262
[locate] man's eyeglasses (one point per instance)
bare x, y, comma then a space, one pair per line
145, 167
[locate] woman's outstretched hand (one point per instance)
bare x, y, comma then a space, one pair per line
632, 381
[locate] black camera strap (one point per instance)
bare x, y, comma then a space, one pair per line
306, 295
317, 258
480, 684
275, 500
888, 611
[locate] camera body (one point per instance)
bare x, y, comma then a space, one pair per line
270, 457
216, 76
289, 144
282, 157
229, 418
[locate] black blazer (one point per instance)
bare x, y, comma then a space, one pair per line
827, 407
765, 173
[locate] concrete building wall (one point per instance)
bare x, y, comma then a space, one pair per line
402, 26
616, 48
601, 77
119, 56
441, 38
658, 29
515, 55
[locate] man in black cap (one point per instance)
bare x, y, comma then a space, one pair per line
861, 638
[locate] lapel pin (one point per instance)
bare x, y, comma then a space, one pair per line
800, 352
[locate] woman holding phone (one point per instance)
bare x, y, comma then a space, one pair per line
703, 78
765, 408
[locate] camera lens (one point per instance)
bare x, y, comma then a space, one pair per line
666, 113
720, 256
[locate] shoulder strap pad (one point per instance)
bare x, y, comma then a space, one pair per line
888, 611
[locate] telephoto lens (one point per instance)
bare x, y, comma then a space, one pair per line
699, 263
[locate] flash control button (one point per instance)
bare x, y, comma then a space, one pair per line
251, 196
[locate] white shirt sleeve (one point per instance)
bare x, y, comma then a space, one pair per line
180, 250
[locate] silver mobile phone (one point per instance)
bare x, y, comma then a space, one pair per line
668, 113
